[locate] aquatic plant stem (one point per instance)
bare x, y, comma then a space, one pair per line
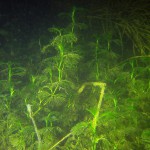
95, 119
34, 124
69, 134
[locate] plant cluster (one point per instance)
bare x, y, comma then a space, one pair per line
88, 90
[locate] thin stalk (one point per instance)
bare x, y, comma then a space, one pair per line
95, 119
69, 134
35, 126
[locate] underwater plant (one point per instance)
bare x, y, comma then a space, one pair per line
72, 108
